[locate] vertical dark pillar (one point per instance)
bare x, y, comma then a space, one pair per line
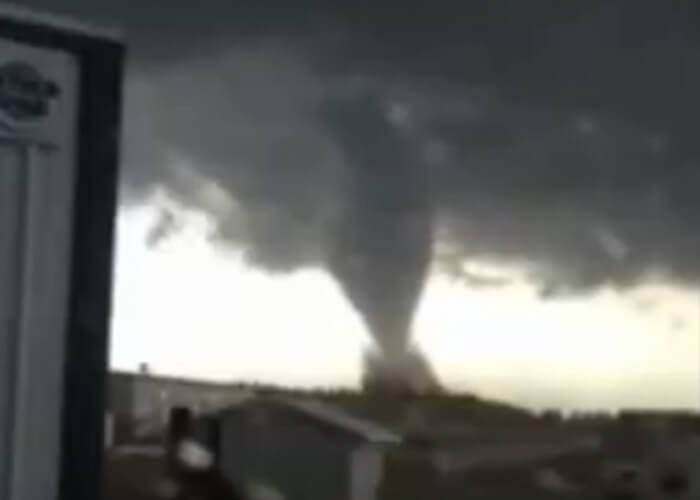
179, 428
214, 437
87, 337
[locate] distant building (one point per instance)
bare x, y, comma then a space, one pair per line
138, 403
661, 420
305, 449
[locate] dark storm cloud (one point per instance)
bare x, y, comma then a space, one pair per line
558, 135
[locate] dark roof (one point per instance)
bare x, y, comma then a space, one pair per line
364, 429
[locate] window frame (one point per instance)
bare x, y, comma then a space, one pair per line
100, 59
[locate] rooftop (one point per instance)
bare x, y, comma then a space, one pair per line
171, 379
364, 429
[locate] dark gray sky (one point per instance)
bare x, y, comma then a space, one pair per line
557, 134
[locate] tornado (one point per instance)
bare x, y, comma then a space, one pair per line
382, 241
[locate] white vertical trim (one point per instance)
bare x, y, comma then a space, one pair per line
12, 203
22, 390
366, 471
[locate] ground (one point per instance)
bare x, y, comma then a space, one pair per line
434, 421
411, 479
131, 477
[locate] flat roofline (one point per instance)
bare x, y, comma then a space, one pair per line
365, 430
219, 384
60, 22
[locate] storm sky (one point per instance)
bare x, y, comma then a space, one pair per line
560, 138
563, 136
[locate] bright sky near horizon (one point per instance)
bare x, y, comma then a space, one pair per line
189, 308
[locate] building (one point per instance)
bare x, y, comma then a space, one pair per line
660, 420
305, 449
138, 403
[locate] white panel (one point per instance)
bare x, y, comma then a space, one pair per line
109, 430
37, 163
366, 472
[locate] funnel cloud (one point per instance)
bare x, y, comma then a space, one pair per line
382, 248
